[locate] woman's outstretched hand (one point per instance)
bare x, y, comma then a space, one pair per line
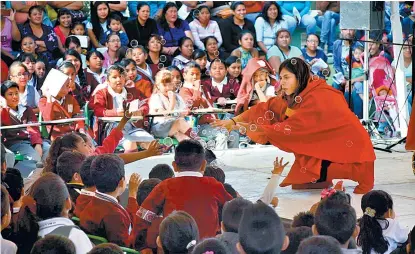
228, 124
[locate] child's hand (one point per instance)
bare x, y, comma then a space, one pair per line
133, 184
274, 202
154, 149
278, 166
196, 85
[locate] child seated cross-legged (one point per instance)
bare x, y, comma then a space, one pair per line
104, 216
199, 196
163, 101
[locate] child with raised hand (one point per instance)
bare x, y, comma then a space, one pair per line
139, 55
246, 50
115, 26
163, 101
186, 49
199, 196
6, 245
379, 231
178, 233
136, 80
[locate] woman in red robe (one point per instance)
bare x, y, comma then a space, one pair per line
312, 120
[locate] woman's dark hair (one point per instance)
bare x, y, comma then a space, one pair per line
210, 245
318, 37
201, 7
115, 67
61, 12
175, 68
183, 40
234, 5
198, 53
283, 30
96, 26
94, 52
32, 8
158, 37
300, 69
126, 61
80, 74
177, 231
75, 23
374, 205
121, 53
61, 144
264, 13
23, 56
243, 32
141, 4
72, 39
6, 85
162, 19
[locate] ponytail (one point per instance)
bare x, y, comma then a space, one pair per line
61, 144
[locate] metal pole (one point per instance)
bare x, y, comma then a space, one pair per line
366, 82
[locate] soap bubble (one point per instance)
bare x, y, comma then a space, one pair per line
134, 43
269, 115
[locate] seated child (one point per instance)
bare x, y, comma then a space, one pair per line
199, 57
28, 142
161, 171
231, 218
163, 101
338, 220
388, 103
210, 245
95, 73
261, 230
80, 95
88, 192
178, 233
104, 216
139, 55
379, 231
196, 98
29, 60
60, 106
358, 73
199, 196
6, 245
303, 219
233, 66
186, 50
110, 101
296, 235
136, 80
54, 244
215, 172
114, 25
246, 51
28, 96
28, 46
319, 244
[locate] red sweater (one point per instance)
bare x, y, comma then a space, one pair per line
229, 90
201, 197
104, 217
191, 95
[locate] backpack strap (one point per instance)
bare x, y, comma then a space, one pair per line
63, 230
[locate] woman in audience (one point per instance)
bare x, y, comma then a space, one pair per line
267, 25
28, 45
95, 74
171, 28
212, 49
282, 50
75, 58
28, 142
113, 43
51, 203
156, 60
63, 24
202, 26
379, 231
231, 27
313, 54
142, 28
186, 50
166, 100
99, 23
44, 36
303, 7
176, 77
28, 96
133, 79
9, 31
246, 51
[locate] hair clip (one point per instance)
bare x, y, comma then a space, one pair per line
191, 244
370, 212
327, 193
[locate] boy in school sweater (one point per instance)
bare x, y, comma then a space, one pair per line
189, 191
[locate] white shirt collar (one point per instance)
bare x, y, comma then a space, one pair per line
87, 193
189, 173
108, 196
188, 85
98, 77
220, 85
118, 98
54, 222
19, 113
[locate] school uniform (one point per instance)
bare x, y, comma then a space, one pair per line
143, 86
199, 196
105, 217
93, 80
146, 73
228, 88
7, 247
199, 100
82, 201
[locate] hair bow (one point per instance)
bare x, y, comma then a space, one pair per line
327, 193
191, 244
370, 212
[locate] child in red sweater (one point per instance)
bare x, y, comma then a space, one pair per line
104, 216
189, 191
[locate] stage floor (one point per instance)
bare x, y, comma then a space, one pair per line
247, 170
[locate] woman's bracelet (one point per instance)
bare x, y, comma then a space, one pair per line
233, 121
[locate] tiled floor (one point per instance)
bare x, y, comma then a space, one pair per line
247, 171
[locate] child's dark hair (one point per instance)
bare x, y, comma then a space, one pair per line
72, 39
6, 85
303, 219
68, 164
108, 171
107, 39
115, 67
321, 244
161, 171
316, 35
189, 155
77, 23
229, 189
183, 40
5, 202
53, 244
178, 232
66, 64
14, 180
85, 172
296, 235
121, 53
94, 52
23, 56
374, 205
113, 16
340, 196
412, 241
198, 53
230, 60
211, 245
61, 144
232, 213
261, 230
205, 41
216, 173
106, 248
142, 48
126, 61
209, 156
216, 60
145, 189
335, 219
